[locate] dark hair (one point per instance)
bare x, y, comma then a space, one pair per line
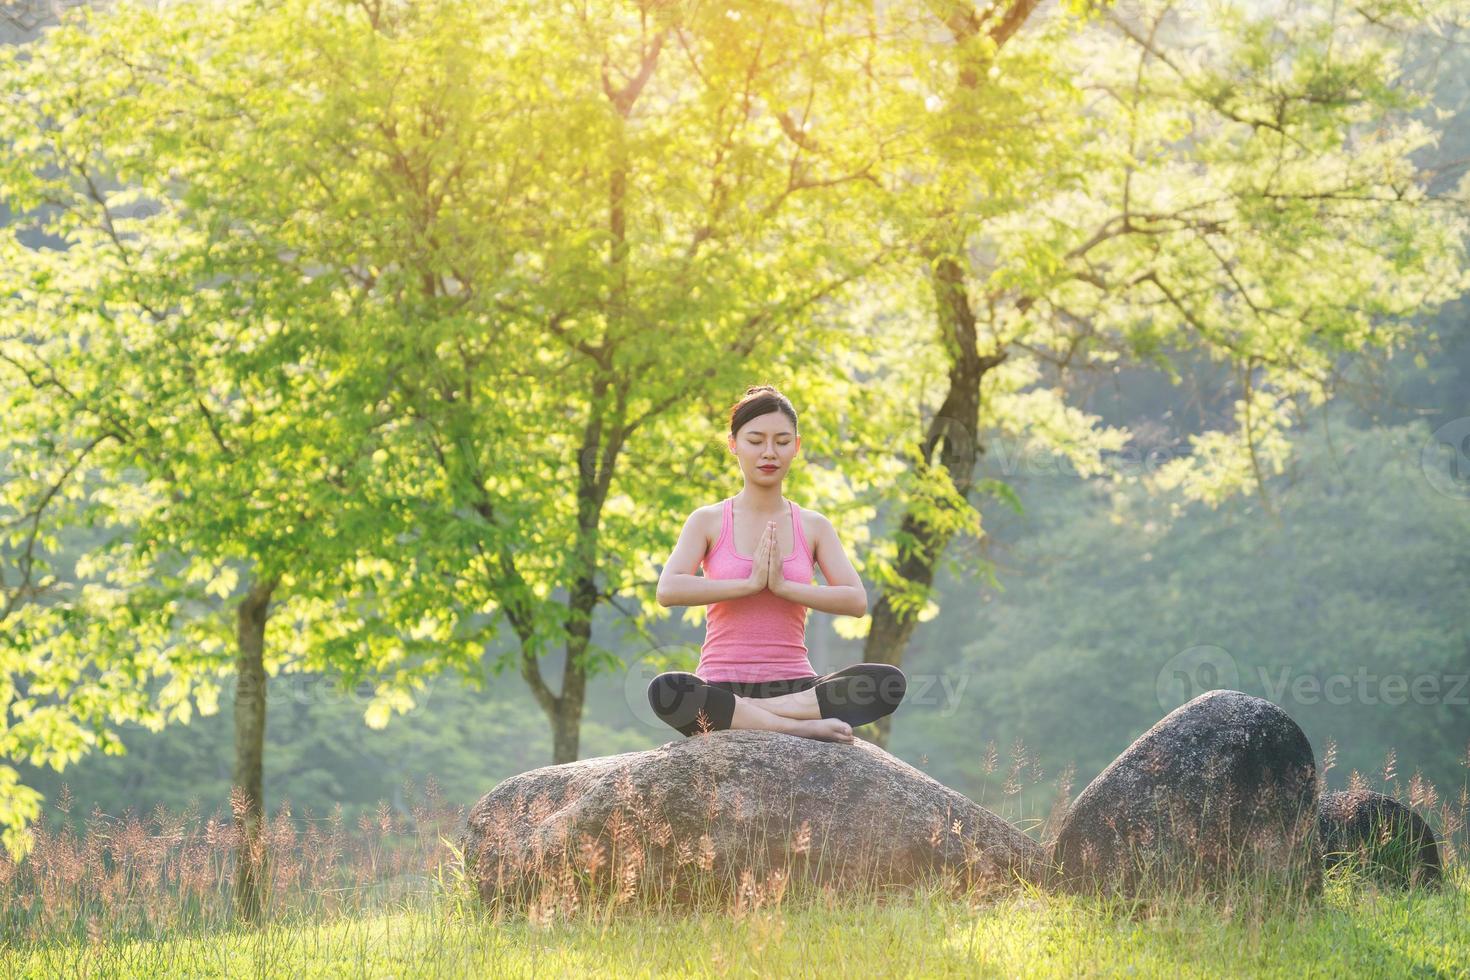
760, 400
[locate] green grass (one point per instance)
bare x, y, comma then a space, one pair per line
1353, 929
153, 897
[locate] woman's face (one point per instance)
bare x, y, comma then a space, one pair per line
766, 440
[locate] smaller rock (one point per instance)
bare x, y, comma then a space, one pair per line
1379, 836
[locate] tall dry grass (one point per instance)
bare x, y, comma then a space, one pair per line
172, 873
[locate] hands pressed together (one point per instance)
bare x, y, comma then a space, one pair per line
766, 571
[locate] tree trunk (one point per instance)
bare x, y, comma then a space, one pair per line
957, 423
955, 433
601, 443
566, 730
248, 799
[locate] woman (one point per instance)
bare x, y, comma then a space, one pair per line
753, 669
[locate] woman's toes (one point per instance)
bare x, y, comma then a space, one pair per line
838, 730
828, 730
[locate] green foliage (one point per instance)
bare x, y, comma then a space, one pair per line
177, 383
1353, 579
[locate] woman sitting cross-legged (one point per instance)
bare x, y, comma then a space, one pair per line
753, 669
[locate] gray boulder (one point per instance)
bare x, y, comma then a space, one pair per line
1223, 786
1381, 837
712, 807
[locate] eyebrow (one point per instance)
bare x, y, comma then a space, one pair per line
761, 432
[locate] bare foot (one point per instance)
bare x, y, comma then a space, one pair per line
826, 729
801, 705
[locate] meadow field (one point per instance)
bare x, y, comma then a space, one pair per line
1350, 932
151, 897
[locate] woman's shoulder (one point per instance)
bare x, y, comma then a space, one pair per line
811, 517
709, 510
812, 524
710, 518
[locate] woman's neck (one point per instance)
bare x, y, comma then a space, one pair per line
761, 500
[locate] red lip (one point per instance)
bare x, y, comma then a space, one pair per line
768, 468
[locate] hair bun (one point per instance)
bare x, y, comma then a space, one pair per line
758, 400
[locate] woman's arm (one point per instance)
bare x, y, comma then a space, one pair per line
678, 585
843, 595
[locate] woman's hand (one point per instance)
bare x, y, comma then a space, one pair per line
760, 567
776, 579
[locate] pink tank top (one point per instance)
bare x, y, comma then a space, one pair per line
760, 637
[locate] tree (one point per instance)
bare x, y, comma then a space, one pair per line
177, 348
562, 234
1243, 186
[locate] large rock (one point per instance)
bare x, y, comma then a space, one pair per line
715, 805
1222, 786
1384, 839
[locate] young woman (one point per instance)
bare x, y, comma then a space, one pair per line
753, 669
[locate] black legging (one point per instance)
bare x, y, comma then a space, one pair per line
858, 695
